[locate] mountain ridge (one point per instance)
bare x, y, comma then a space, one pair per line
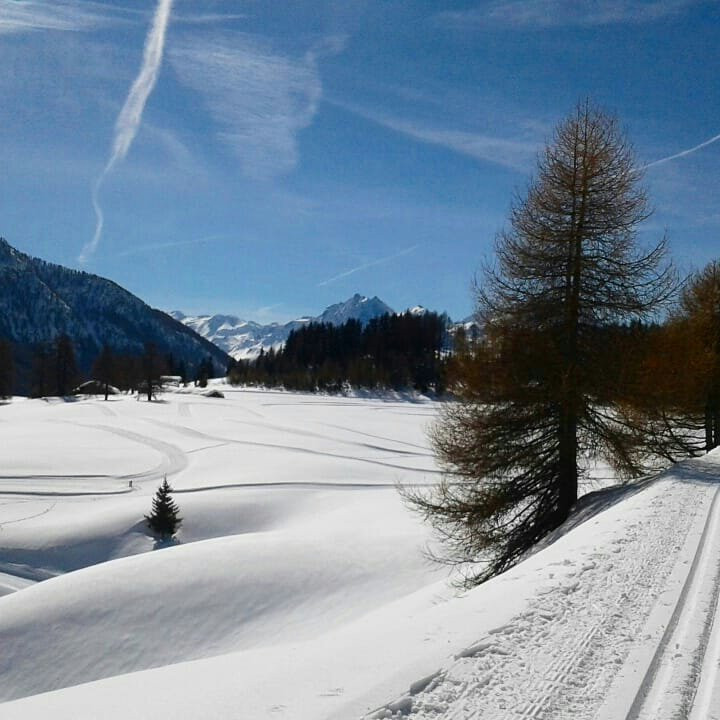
245, 339
41, 300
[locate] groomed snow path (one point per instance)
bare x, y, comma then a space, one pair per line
626, 630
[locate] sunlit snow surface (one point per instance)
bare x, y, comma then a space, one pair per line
298, 587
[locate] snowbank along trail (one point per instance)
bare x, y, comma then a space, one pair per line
623, 630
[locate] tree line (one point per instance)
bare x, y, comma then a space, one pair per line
392, 351
54, 369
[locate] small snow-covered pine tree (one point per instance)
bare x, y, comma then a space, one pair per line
164, 519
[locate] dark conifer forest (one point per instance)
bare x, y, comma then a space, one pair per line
400, 352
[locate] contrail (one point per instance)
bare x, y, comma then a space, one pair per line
128, 121
683, 152
172, 244
380, 261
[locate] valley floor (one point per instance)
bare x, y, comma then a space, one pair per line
299, 588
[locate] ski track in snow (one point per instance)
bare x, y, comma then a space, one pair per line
174, 460
377, 437
352, 443
190, 432
670, 684
45, 511
105, 410
706, 704
101, 407
216, 404
302, 485
557, 660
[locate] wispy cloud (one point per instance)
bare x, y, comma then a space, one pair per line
130, 117
530, 14
513, 153
367, 265
19, 17
151, 247
682, 153
259, 97
207, 18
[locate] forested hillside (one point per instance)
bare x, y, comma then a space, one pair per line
40, 301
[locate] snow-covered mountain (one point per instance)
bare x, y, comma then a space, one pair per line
244, 339
40, 300
239, 338
358, 307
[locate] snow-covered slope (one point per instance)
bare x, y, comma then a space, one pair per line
299, 589
291, 523
245, 338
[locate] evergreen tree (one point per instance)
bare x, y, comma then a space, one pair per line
164, 519
104, 368
127, 372
182, 372
204, 372
537, 396
66, 371
41, 375
151, 371
7, 369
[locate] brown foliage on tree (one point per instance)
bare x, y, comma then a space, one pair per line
676, 387
700, 313
536, 394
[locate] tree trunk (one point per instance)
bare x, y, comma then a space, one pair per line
708, 428
567, 460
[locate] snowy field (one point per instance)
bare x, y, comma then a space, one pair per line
299, 589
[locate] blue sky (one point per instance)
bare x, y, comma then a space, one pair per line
270, 158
